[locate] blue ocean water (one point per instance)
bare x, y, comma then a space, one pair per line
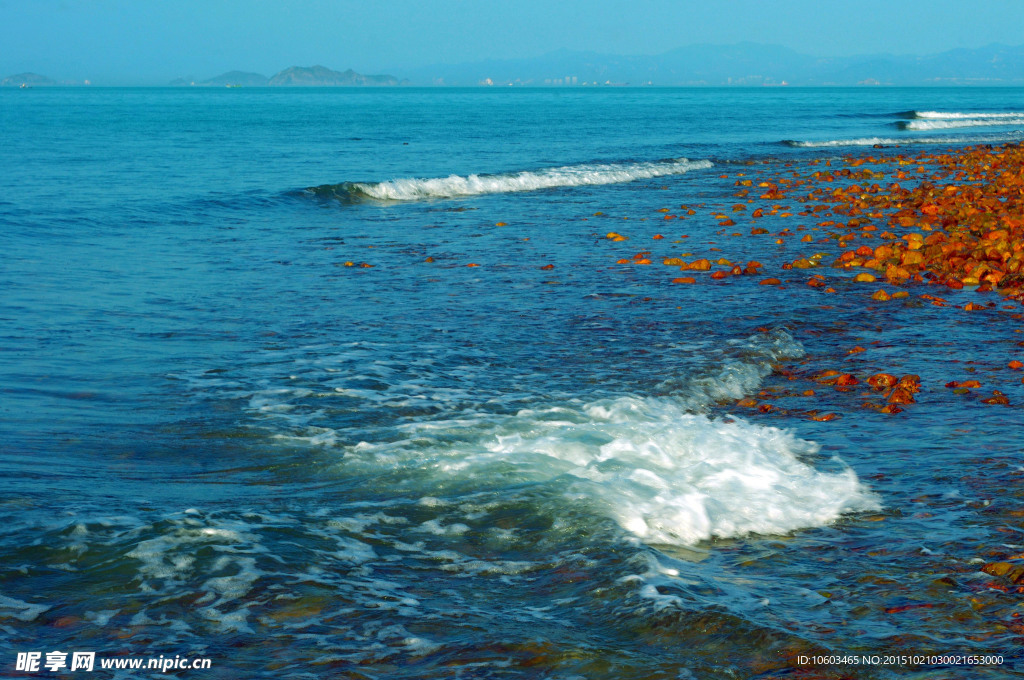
351, 383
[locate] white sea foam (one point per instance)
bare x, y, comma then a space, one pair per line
11, 608
653, 464
953, 123
896, 141
663, 474
435, 527
102, 617
169, 558
236, 621
962, 114
668, 476
412, 189
857, 141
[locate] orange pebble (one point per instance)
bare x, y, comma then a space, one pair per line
900, 395
882, 380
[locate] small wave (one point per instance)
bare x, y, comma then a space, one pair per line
736, 377
951, 123
663, 472
453, 186
655, 466
895, 141
670, 477
953, 115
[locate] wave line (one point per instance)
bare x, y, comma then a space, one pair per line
456, 186
1016, 135
951, 123
952, 115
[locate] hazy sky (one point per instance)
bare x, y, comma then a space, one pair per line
152, 41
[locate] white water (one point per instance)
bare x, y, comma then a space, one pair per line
411, 189
953, 123
961, 114
663, 474
667, 476
655, 464
897, 141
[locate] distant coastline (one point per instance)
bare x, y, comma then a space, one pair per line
738, 65
28, 80
294, 76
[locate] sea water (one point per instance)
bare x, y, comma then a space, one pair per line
349, 383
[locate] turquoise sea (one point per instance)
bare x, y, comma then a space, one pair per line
351, 383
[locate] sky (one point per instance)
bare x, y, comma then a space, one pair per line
122, 42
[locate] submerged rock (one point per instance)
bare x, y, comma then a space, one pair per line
1012, 571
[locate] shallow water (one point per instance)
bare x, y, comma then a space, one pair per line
224, 437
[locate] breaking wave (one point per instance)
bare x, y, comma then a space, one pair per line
958, 122
658, 466
954, 115
671, 477
453, 186
1016, 135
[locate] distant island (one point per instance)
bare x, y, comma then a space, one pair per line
26, 80
296, 76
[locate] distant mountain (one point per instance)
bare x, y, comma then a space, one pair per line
27, 79
296, 76
241, 78
739, 64
321, 76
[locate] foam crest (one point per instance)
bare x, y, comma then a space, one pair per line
672, 477
662, 474
453, 186
896, 141
654, 464
953, 123
952, 115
